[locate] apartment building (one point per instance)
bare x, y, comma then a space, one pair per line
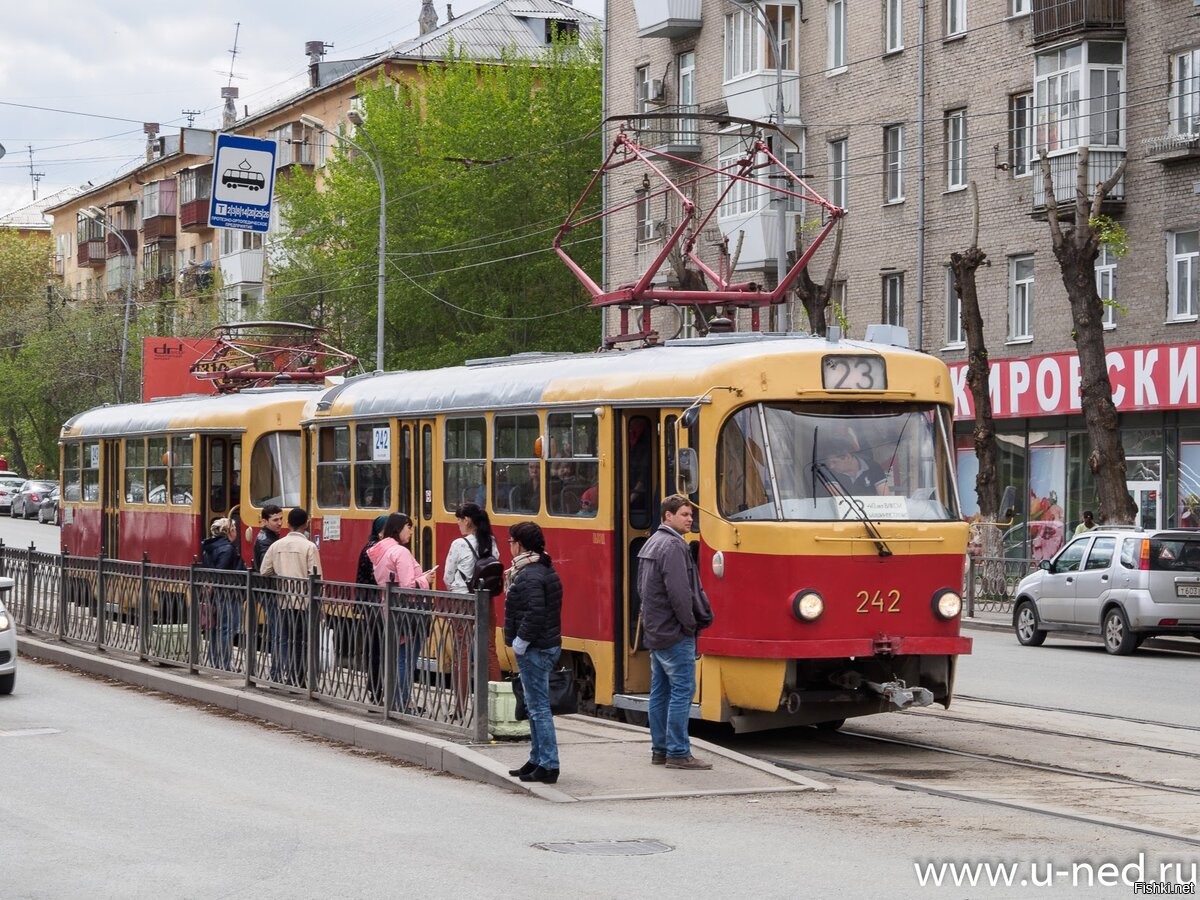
148, 231
1002, 82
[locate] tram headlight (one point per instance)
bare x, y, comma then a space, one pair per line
807, 605
718, 564
947, 604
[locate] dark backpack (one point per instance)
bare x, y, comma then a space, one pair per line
488, 574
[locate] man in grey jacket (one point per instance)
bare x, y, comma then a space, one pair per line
674, 610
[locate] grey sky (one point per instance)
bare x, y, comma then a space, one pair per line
122, 63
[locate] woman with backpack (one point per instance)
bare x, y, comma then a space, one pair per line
462, 560
533, 628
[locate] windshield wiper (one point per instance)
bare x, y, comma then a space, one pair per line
835, 489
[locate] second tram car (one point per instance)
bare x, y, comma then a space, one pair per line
827, 529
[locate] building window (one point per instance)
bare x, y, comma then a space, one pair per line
893, 26
835, 19
794, 160
839, 187
641, 86
234, 241
956, 149
1020, 297
1185, 280
1081, 84
956, 17
782, 17
741, 44
1106, 284
1020, 134
1018, 8
893, 299
645, 221
893, 163
742, 197
956, 335
1185, 93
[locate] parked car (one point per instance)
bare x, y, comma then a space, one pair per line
26, 501
48, 508
10, 483
1122, 584
8, 641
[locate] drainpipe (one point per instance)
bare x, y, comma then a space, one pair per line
921, 10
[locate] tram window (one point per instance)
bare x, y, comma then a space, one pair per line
372, 465
466, 462
516, 472
181, 471
90, 463
405, 504
641, 472
574, 470
216, 476
135, 470
70, 472
333, 467
427, 471
157, 458
275, 469
235, 481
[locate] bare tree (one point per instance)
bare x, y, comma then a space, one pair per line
812, 296
1076, 244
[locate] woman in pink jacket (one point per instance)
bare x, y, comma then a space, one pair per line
391, 560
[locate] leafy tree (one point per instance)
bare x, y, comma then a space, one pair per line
482, 162
1076, 244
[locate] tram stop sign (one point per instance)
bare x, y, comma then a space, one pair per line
243, 183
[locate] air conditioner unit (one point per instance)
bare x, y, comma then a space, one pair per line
657, 91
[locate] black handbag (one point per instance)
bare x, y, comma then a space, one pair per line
563, 701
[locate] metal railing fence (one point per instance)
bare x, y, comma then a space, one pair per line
410, 654
991, 582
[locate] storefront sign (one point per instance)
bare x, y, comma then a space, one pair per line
1143, 378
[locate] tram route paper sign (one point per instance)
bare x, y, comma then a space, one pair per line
381, 444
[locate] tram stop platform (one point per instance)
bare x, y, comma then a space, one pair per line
600, 759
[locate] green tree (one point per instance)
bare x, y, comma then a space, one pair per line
482, 162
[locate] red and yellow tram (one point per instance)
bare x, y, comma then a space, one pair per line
829, 602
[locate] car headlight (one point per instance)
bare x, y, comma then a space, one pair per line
807, 605
5, 621
947, 603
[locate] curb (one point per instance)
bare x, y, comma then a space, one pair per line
1155, 643
407, 745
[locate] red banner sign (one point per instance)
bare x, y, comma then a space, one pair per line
166, 367
1148, 377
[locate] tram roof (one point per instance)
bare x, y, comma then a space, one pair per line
676, 370
198, 412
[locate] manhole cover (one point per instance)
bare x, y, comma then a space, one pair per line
27, 732
638, 847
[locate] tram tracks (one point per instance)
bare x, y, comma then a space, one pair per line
1138, 776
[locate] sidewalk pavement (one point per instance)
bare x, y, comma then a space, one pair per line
601, 759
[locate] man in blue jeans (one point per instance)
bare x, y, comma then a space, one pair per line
674, 610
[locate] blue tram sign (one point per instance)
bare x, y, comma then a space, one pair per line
243, 183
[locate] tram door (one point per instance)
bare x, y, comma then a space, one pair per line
416, 463
638, 489
220, 486
110, 495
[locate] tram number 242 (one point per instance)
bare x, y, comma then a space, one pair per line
878, 601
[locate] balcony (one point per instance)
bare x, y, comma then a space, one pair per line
1053, 19
156, 228
119, 273
754, 96
667, 18
1063, 167
114, 246
673, 129
193, 215
242, 267
760, 244
1172, 148
91, 254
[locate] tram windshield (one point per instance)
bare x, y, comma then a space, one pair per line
830, 462
275, 469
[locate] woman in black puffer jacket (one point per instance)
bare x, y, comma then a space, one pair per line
533, 628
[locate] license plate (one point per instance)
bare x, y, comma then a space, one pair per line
1187, 590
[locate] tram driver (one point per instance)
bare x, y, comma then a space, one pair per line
856, 473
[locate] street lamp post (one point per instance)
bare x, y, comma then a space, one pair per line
97, 215
760, 18
376, 161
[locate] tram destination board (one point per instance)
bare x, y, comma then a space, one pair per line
853, 372
243, 183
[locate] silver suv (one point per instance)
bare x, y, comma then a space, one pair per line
1123, 585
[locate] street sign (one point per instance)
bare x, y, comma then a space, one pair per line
243, 183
